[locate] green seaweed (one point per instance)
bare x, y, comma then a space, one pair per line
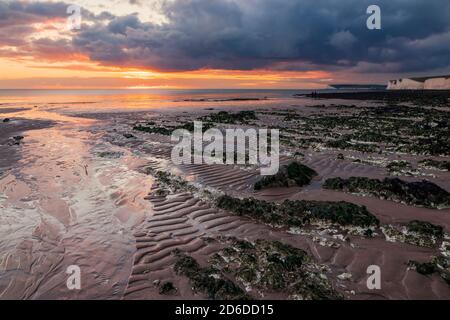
421, 193
207, 280
272, 266
426, 228
298, 213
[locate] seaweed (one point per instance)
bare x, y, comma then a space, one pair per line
231, 118
294, 174
298, 213
152, 128
167, 289
272, 266
421, 193
435, 164
418, 233
396, 167
426, 228
344, 144
207, 280
426, 268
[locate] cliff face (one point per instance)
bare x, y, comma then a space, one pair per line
437, 84
442, 83
405, 84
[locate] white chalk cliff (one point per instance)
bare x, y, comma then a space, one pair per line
425, 83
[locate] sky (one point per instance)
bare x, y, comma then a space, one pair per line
249, 44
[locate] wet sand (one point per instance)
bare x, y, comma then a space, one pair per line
77, 192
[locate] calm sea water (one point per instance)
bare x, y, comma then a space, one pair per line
98, 100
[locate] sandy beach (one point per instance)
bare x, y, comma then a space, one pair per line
84, 187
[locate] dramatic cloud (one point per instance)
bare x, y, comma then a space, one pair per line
253, 34
17, 19
226, 34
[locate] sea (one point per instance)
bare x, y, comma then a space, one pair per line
139, 99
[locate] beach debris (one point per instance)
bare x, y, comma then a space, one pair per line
156, 283
345, 276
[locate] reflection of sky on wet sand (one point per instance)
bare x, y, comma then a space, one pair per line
73, 102
61, 204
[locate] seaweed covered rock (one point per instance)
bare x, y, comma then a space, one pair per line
167, 130
420, 193
231, 118
207, 280
294, 174
343, 144
435, 164
167, 289
17, 140
399, 167
439, 265
442, 264
271, 266
418, 233
298, 213
153, 129
425, 268
426, 228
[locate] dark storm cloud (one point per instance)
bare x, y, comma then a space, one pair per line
250, 34
18, 21
273, 34
16, 8
14, 12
